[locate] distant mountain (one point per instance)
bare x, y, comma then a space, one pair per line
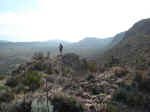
59, 41
94, 42
55, 43
90, 46
116, 39
134, 47
4, 41
49, 43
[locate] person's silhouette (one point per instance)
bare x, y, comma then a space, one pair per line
60, 48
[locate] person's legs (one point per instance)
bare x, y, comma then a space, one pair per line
60, 51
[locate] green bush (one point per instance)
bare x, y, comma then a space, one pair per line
3, 87
90, 77
19, 88
66, 103
32, 80
120, 95
143, 81
2, 77
145, 85
38, 66
92, 67
6, 96
38, 56
112, 108
95, 90
67, 69
129, 96
12, 81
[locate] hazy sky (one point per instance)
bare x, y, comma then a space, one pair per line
72, 20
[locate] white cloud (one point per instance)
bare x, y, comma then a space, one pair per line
74, 19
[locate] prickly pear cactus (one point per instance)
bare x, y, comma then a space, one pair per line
41, 105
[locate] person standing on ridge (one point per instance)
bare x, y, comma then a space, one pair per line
60, 48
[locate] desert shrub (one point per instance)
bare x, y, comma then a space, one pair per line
6, 96
16, 107
124, 60
67, 69
119, 71
129, 96
113, 61
32, 79
140, 76
2, 77
95, 91
3, 87
113, 108
41, 105
19, 88
12, 81
48, 68
92, 67
143, 81
38, 55
120, 95
84, 64
41, 65
144, 85
38, 66
66, 103
90, 77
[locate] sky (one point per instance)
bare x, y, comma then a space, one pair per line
71, 20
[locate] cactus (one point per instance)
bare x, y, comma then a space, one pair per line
41, 105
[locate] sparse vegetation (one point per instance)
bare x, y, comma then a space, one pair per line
92, 67
5, 95
38, 56
2, 77
12, 81
41, 105
143, 81
3, 87
129, 95
90, 77
67, 69
123, 84
113, 108
66, 103
32, 79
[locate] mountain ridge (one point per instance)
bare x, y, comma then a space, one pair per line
133, 48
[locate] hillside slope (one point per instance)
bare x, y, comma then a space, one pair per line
134, 47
